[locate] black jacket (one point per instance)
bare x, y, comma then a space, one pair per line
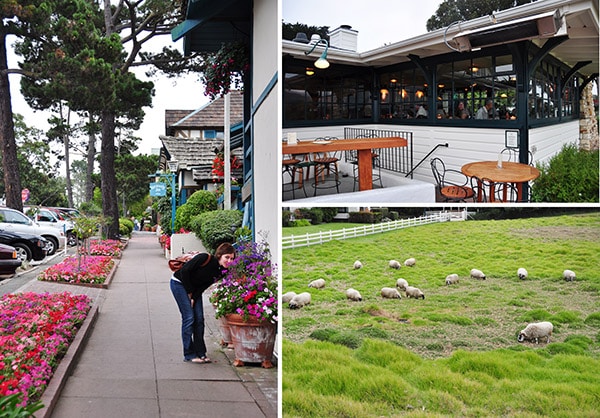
197, 278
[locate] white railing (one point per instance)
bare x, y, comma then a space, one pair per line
316, 238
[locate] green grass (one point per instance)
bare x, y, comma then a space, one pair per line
454, 353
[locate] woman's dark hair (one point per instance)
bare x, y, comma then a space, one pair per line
224, 248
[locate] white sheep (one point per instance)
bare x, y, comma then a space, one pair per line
569, 275
409, 262
300, 300
522, 273
401, 284
390, 293
477, 274
354, 295
317, 284
357, 265
452, 279
395, 264
413, 292
535, 331
288, 296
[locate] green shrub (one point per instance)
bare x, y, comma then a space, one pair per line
569, 176
9, 406
199, 202
216, 227
286, 216
125, 226
329, 214
365, 217
300, 222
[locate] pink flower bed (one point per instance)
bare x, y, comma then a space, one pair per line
91, 269
35, 332
109, 247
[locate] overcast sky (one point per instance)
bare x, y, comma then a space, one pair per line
378, 22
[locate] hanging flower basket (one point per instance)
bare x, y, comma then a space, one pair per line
225, 69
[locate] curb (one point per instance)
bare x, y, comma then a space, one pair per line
67, 363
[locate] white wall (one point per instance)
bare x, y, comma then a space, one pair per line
464, 145
266, 121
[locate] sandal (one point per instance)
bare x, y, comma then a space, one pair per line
201, 360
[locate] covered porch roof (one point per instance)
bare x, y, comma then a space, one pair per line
579, 16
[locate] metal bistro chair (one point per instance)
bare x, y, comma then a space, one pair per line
326, 163
451, 191
292, 166
352, 157
507, 192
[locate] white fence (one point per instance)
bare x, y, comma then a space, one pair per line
316, 238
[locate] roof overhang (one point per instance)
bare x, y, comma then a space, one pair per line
208, 24
581, 17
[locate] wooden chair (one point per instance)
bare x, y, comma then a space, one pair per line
451, 190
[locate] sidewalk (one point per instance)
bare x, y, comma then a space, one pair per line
131, 363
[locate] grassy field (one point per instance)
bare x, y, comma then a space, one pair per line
455, 353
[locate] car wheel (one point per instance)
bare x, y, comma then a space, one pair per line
52, 245
71, 239
23, 252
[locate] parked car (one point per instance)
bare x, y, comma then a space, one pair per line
49, 217
14, 221
9, 263
28, 246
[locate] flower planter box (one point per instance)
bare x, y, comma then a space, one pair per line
184, 243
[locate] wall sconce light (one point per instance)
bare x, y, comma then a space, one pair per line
474, 69
403, 93
419, 94
322, 62
310, 71
393, 80
441, 86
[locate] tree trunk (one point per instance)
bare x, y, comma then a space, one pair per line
67, 145
110, 207
12, 179
91, 156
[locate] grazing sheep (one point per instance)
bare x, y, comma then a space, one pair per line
477, 274
401, 284
317, 284
354, 295
413, 292
288, 296
522, 273
300, 300
395, 264
569, 275
409, 262
390, 293
451, 279
535, 331
357, 265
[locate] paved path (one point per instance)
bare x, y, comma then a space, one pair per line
131, 365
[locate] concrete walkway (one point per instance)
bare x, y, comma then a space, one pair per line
132, 364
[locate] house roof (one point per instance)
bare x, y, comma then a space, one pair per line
193, 154
582, 44
209, 116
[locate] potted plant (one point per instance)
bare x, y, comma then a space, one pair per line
225, 69
247, 297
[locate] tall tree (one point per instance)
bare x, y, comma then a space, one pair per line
450, 11
132, 177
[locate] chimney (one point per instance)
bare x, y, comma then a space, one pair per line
344, 37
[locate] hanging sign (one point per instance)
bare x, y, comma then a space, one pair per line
158, 189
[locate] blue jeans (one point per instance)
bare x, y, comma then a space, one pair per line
192, 322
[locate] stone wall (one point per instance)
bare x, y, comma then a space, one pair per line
588, 122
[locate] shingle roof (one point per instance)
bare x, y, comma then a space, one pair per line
196, 154
209, 116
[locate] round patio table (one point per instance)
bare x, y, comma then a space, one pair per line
515, 173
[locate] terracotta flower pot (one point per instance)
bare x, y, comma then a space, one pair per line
225, 332
253, 341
